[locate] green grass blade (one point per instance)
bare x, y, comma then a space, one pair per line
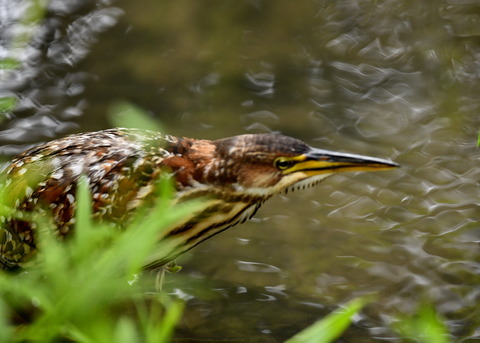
126, 331
164, 331
160, 317
331, 327
83, 215
6, 331
78, 285
7, 103
125, 114
425, 327
9, 64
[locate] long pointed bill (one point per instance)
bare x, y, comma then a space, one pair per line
318, 161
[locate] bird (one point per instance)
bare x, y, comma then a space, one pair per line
234, 175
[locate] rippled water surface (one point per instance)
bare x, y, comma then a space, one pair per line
393, 79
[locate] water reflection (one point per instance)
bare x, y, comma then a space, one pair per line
47, 41
257, 267
262, 83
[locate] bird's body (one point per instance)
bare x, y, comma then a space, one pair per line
234, 176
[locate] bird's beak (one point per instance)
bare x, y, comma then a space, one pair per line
318, 161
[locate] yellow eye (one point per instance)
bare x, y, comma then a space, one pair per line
282, 163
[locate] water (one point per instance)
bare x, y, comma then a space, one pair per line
392, 79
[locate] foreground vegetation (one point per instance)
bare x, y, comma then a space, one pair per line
85, 289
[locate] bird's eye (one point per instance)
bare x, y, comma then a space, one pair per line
282, 163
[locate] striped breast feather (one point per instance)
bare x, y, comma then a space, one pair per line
203, 224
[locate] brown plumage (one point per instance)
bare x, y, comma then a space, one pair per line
235, 175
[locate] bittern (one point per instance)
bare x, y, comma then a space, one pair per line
123, 166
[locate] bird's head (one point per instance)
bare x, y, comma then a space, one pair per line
261, 165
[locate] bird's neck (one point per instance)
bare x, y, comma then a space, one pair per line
199, 169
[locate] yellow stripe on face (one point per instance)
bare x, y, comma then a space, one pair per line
329, 165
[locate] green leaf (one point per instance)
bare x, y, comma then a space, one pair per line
6, 332
32, 17
331, 327
35, 12
75, 282
160, 317
164, 331
7, 103
84, 210
426, 326
125, 114
9, 64
125, 331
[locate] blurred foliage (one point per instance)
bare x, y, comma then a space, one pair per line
125, 114
7, 104
331, 327
9, 63
32, 15
82, 289
425, 326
